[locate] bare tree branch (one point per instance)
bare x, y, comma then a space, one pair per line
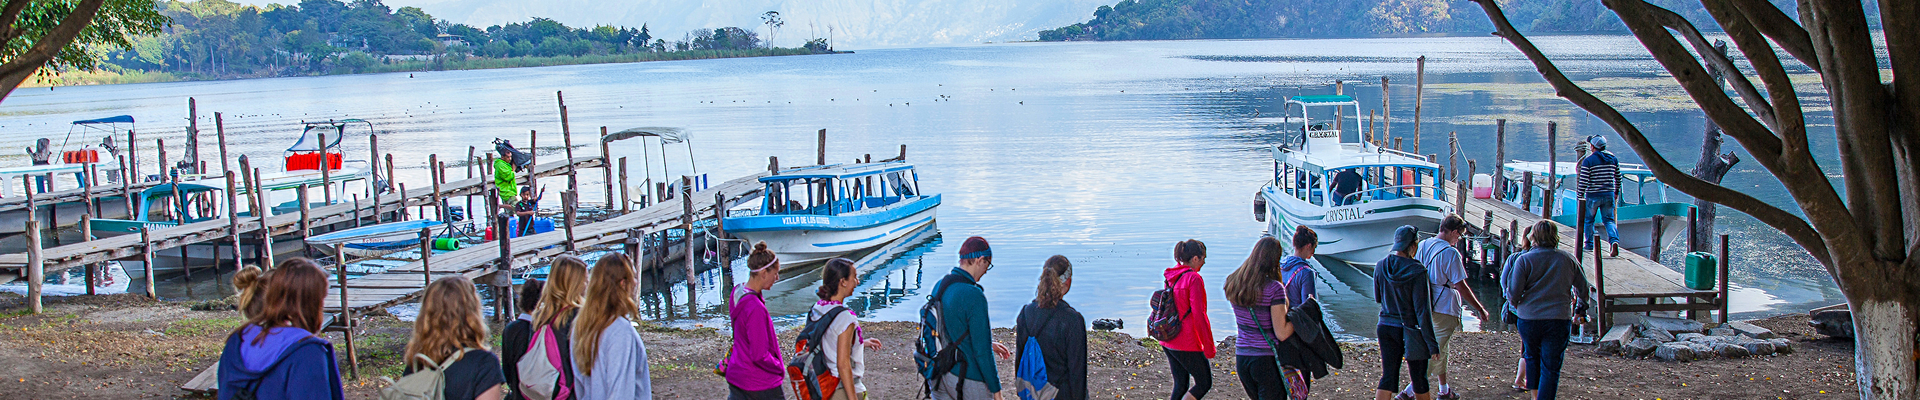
1793, 226
1691, 76
1719, 61
45, 48
9, 15
1851, 73
1789, 124
1781, 28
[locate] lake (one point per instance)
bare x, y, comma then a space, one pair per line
1107, 153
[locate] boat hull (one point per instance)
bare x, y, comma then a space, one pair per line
12, 222
802, 246
1359, 234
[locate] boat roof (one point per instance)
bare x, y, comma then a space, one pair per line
1324, 100
840, 171
118, 119
335, 129
666, 134
1565, 169
166, 189
1351, 155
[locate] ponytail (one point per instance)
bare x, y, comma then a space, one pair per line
1304, 236
838, 269
1187, 250
1053, 281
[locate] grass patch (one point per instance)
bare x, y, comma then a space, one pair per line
203, 326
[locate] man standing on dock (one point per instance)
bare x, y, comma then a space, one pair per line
504, 178
1447, 272
1600, 187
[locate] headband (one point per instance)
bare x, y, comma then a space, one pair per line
775, 262
977, 254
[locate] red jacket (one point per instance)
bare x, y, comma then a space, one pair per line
1190, 299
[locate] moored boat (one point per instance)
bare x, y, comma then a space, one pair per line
1352, 193
813, 214
1643, 213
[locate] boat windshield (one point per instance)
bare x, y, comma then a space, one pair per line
1356, 184
817, 195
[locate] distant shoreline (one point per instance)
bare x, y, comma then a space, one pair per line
94, 78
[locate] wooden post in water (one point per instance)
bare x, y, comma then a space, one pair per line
36, 267
426, 257
1339, 114
326, 172
503, 268
822, 148
132, 165
1553, 171
626, 203
160, 144
1600, 285
306, 222
86, 233
1369, 136
126, 187
1659, 229
566, 139
220, 134
1499, 158
376, 185
376, 193
1693, 227
720, 237
903, 152
1581, 237
471, 165
146, 261
606, 168
568, 201
1386, 113
346, 313
437, 172
233, 223
686, 218
246, 184
86, 194
1419, 88
357, 219
533, 149
1526, 194
193, 133
1724, 301
266, 230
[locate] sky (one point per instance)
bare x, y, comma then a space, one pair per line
853, 24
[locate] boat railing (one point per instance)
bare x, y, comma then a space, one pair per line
1385, 150
1397, 191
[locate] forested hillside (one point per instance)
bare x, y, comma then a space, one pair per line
1242, 19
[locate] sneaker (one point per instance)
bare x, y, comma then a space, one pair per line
1402, 396
1448, 396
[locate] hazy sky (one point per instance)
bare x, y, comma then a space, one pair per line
854, 23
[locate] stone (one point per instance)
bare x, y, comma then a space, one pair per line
1678, 352
1751, 330
1672, 325
1835, 323
1782, 345
1657, 335
1703, 351
1108, 324
1758, 347
1730, 350
1615, 337
1707, 339
1689, 337
1722, 331
1638, 347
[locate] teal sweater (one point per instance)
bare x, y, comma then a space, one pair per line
965, 309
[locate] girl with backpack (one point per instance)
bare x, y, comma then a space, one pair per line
754, 367
844, 344
518, 335
277, 354
552, 320
609, 358
1258, 291
1189, 350
1050, 339
450, 339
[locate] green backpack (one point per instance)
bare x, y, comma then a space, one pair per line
428, 383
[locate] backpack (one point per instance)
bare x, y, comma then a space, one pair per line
933, 354
1030, 373
808, 372
1164, 323
540, 376
428, 383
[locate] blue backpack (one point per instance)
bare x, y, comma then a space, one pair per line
1030, 373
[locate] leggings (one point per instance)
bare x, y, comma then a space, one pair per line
1260, 376
736, 393
1393, 347
1190, 364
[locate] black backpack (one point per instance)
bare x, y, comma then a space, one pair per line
933, 353
809, 361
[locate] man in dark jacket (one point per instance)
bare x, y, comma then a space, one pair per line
1401, 287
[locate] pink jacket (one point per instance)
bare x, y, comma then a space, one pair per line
755, 363
1190, 297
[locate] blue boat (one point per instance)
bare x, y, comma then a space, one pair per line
375, 240
812, 214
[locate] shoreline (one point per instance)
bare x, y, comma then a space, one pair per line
125, 346
102, 78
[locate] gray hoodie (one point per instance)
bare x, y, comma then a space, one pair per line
1545, 284
620, 368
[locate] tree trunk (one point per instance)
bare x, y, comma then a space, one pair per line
1883, 323
1712, 167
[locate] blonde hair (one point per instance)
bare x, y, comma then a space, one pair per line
247, 283
565, 288
610, 296
449, 321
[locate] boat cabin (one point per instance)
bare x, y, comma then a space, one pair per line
1325, 170
319, 144
1638, 187
839, 189
163, 206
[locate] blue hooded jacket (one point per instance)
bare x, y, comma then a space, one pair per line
290, 363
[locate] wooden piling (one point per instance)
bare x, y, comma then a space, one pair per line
1500, 158
626, 203
86, 193
568, 201
306, 222
686, 218
373, 141
426, 257
1600, 284
1368, 138
1724, 301
606, 168
472, 164
1339, 114
436, 174
346, 313
357, 219
326, 168
160, 144
533, 147
266, 230
903, 153
566, 139
1419, 88
1693, 228
1582, 235
1553, 173
86, 233
246, 184
503, 268
1386, 113
36, 267
1659, 229
822, 148
193, 133
720, 237
126, 188
146, 261
220, 134
390, 183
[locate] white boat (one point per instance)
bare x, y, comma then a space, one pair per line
813, 214
1642, 213
304, 162
1385, 188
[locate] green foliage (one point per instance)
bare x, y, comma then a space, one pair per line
1241, 19
116, 26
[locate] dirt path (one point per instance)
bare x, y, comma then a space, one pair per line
125, 347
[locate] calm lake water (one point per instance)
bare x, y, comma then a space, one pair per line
1107, 153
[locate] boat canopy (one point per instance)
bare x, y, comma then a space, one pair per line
667, 135
336, 130
1566, 169
121, 119
166, 189
841, 171
1324, 100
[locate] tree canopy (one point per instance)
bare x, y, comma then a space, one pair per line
1247, 19
65, 34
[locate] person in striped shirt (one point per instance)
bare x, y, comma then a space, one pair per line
1600, 187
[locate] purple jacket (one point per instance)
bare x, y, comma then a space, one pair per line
755, 363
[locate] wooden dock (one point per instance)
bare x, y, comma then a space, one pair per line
1628, 277
13, 266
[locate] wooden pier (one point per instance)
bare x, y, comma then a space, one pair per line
14, 266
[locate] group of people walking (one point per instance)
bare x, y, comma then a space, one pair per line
574, 338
